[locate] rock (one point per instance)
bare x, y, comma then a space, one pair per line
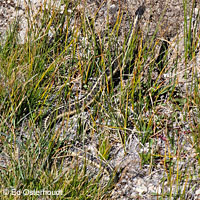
170, 14
197, 192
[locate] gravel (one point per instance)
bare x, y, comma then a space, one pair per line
138, 181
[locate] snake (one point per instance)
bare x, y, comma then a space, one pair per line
94, 92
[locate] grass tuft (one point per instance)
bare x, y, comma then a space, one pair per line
61, 59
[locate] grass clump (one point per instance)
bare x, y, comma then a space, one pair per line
57, 66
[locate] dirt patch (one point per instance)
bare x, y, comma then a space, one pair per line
170, 14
